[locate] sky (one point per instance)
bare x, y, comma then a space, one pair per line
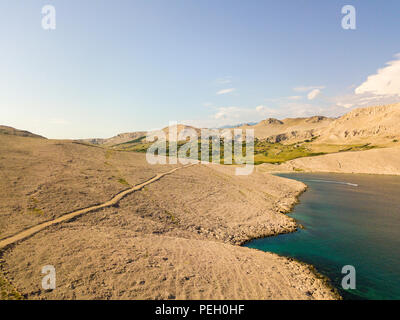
131, 65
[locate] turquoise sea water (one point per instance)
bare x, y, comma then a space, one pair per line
349, 219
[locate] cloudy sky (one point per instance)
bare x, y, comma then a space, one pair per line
128, 65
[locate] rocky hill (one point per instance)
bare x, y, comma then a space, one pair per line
16, 132
289, 129
120, 138
378, 124
137, 135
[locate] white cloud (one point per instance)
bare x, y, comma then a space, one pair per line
264, 111
385, 82
364, 100
313, 94
381, 88
225, 91
233, 114
294, 98
345, 105
309, 88
259, 108
223, 113
296, 109
224, 80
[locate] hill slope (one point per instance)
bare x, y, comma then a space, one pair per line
16, 132
289, 129
378, 124
175, 239
119, 138
376, 161
136, 136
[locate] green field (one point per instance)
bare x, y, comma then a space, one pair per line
264, 152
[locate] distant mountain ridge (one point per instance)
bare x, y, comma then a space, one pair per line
378, 124
230, 126
289, 129
119, 138
135, 135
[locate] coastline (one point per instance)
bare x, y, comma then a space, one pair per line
326, 280
341, 213
383, 161
286, 205
285, 212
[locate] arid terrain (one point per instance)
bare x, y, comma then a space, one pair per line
279, 141
374, 125
175, 238
116, 227
376, 161
376, 130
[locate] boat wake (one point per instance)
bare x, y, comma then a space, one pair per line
336, 182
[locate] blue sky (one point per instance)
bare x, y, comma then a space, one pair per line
127, 65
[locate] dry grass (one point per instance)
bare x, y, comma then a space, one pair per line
7, 291
42, 179
176, 239
171, 241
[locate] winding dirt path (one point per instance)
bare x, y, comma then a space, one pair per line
31, 231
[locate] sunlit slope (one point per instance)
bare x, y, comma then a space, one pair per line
377, 125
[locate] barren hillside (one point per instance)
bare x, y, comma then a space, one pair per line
380, 124
137, 136
290, 129
376, 161
15, 132
176, 238
374, 125
120, 138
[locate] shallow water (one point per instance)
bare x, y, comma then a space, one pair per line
349, 219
